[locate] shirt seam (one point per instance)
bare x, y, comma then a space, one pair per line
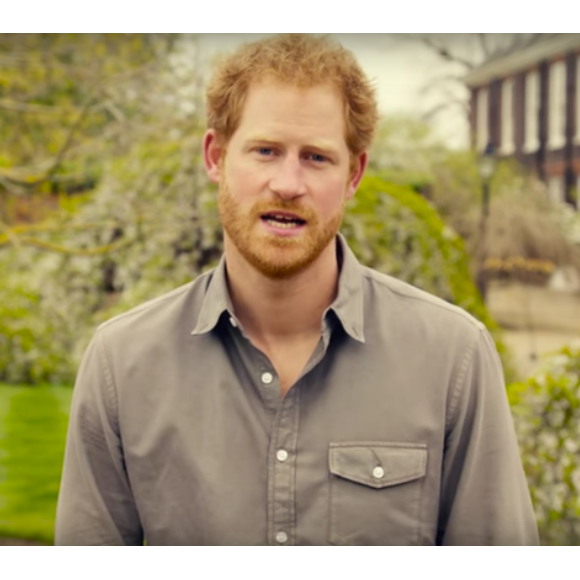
153, 302
110, 390
438, 303
455, 394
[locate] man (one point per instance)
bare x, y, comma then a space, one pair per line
291, 396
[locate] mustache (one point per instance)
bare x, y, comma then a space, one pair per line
296, 208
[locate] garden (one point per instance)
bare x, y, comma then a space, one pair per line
104, 204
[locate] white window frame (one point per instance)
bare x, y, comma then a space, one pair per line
482, 119
532, 113
507, 142
557, 105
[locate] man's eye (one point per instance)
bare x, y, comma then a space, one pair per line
316, 157
265, 151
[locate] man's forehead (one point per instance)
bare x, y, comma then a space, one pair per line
272, 109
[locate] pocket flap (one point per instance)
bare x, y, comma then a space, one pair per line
378, 465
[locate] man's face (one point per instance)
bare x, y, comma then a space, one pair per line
285, 177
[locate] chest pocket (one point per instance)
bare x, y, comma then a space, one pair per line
375, 493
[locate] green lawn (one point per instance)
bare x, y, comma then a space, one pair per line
33, 423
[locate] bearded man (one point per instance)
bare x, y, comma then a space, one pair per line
291, 396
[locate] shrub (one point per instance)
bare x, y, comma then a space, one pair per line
156, 234
547, 417
395, 230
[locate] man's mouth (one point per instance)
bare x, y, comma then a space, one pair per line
282, 220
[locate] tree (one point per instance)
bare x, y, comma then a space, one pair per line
66, 101
148, 223
527, 235
144, 224
459, 54
470, 50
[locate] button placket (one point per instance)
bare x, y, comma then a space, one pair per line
266, 381
267, 378
281, 472
281, 537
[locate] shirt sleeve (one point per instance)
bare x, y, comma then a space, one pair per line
485, 498
95, 503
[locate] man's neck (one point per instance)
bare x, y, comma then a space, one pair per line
274, 311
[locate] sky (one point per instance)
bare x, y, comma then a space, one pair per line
407, 76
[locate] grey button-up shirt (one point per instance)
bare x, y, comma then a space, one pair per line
398, 430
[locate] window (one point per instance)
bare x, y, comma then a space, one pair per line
482, 135
507, 117
532, 142
557, 106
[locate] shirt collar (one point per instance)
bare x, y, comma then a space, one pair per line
348, 305
216, 302
349, 302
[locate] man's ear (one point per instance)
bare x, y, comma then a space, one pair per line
356, 174
212, 155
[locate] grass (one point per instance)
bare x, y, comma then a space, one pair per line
33, 422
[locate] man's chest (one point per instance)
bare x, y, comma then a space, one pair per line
349, 455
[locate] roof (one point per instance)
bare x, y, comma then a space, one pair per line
521, 56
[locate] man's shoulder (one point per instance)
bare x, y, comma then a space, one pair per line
180, 306
416, 302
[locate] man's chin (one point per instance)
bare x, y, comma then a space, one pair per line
280, 257
277, 266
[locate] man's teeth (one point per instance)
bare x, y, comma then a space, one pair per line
281, 224
282, 221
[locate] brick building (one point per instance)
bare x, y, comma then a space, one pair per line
526, 104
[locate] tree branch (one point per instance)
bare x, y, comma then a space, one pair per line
445, 53
56, 162
9, 105
52, 247
428, 115
30, 228
10, 185
483, 43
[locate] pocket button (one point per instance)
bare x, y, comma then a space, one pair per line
378, 472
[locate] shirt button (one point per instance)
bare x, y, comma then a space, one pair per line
281, 537
282, 455
233, 322
378, 472
267, 378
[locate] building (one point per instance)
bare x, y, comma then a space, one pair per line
526, 104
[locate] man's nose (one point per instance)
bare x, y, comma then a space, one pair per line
288, 181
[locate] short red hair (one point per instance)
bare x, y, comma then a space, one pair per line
302, 60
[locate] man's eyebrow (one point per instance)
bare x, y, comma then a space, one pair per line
319, 145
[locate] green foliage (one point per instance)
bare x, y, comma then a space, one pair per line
163, 231
394, 230
547, 416
40, 321
404, 152
149, 222
66, 92
161, 214
523, 223
33, 426
148, 225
